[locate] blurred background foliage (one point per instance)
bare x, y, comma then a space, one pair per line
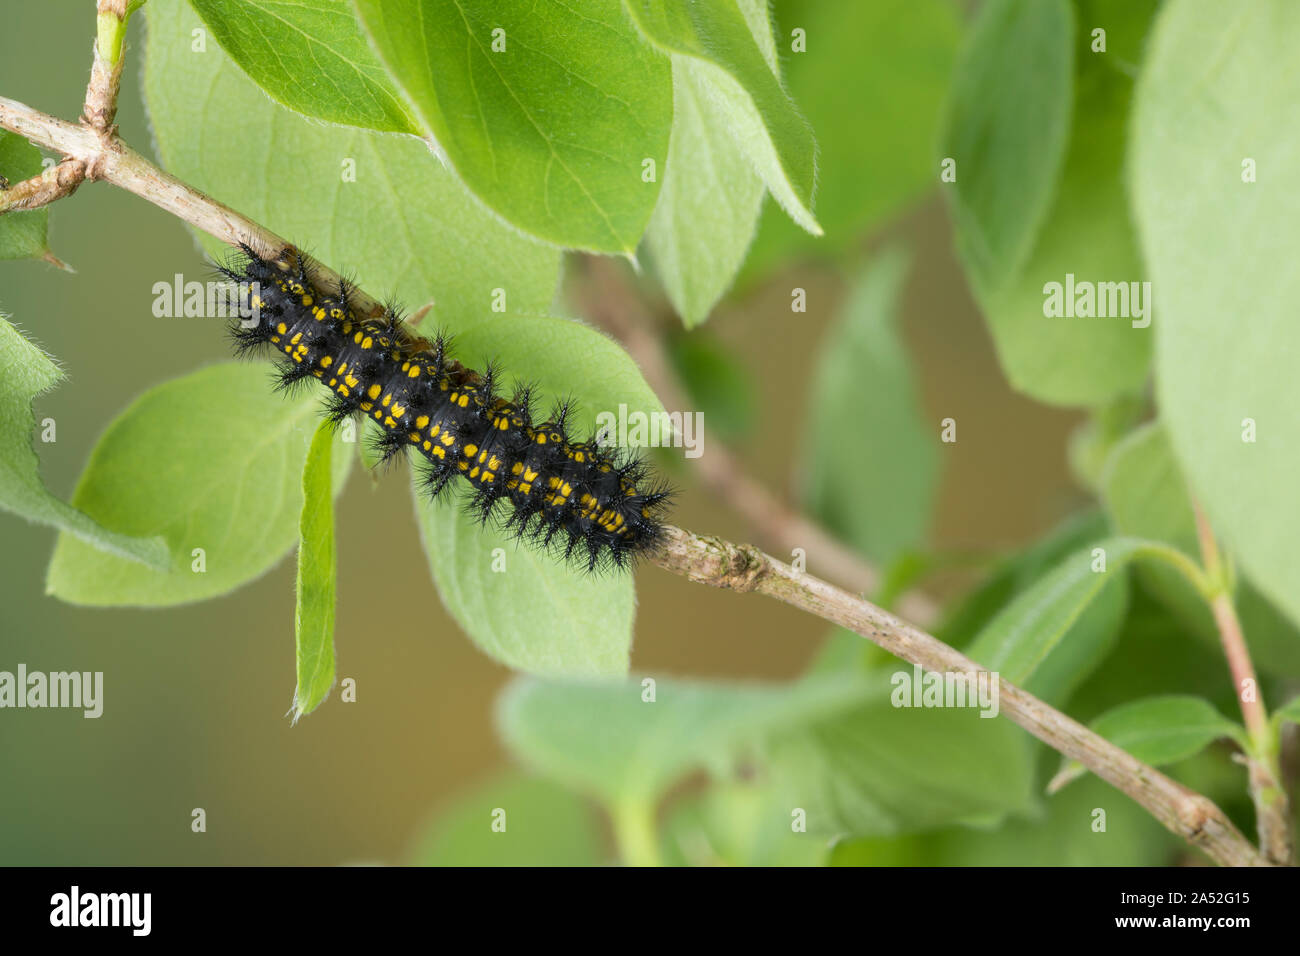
831, 408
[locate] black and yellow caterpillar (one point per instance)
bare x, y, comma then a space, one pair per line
593, 505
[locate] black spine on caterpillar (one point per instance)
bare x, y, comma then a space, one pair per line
578, 499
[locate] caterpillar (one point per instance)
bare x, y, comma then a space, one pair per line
591, 505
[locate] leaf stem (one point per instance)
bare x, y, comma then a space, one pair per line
635, 833
1263, 763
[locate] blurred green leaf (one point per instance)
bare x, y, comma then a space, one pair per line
1145, 493
606, 740
883, 769
1064, 834
1052, 635
524, 608
513, 821
26, 372
1158, 731
226, 480
313, 617
1226, 314
1087, 234
546, 115
1288, 711
381, 208
718, 385
311, 56
22, 233
739, 824
872, 460
1007, 130
967, 617
710, 200
896, 56
761, 118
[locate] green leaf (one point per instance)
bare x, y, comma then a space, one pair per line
524, 608
964, 620
1145, 493
1288, 711
513, 821
211, 462
739, 824
546, 115
873, 461
380, 208
22, 234
313, 617
760, 115
1007, 130
1029, 212
1052, 636
606, 740
311, 56
520, 607
881, 768
26, 372
1158, 731
1226, 330
897, 56
1087, 234
710, 200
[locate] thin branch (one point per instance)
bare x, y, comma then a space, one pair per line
1263, 767
702, 559
605, 298
1195, 818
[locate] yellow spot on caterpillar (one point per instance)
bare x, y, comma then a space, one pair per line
433, 432
439, 451
374, 391
343, 390
425, 446
414, 372
414, 437
399, 411
517, 468
530, 475
351, 379
464, 401
462, 466
366, 406
422, 421
579, 456
367, 342
387, 400
307, 300
319, 313
470, 449
297, 337
357, 338
333, 382
541, 438
390, 422
282, 328
275, 338
326, 361
448, 438
473, 472
526, 488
